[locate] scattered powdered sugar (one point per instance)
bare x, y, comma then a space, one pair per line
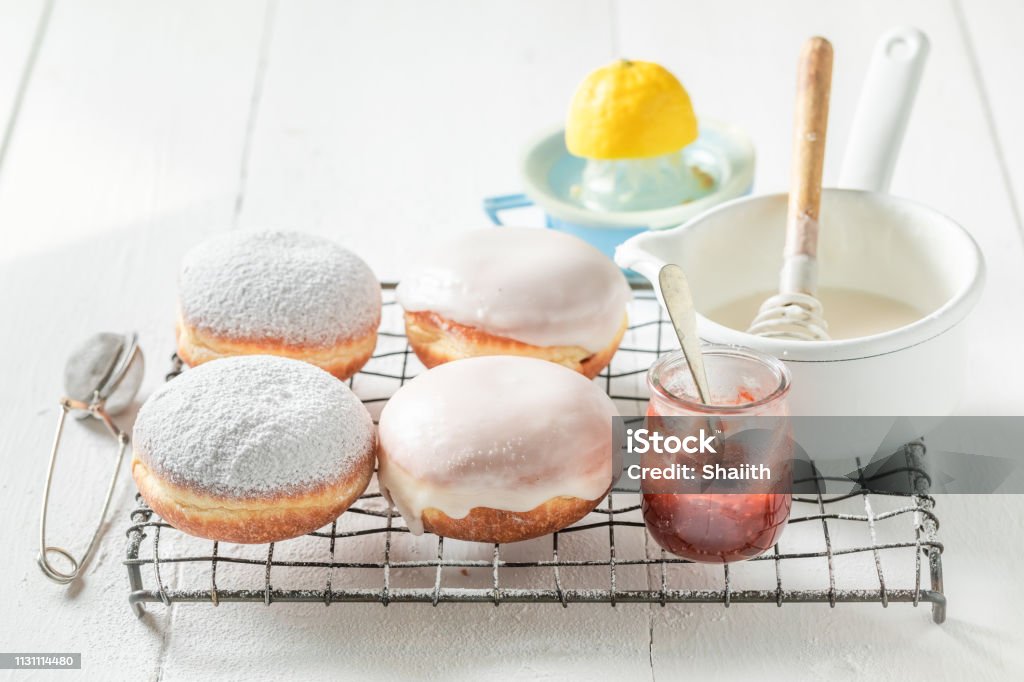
284, 286
253, 426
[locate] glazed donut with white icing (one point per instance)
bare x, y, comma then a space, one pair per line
516, 291
252, 449
277, 293
496, 449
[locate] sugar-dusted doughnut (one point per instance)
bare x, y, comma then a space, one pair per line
516, 291
279, 293
252, 449
496, 449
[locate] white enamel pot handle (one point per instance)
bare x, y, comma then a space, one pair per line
883, 110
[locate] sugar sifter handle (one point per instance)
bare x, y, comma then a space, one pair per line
102, 377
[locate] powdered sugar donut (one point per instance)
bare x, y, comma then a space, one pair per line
279, 293
252, 449
516, 291
496, 449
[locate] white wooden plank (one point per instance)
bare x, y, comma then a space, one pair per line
385, 124
993, 33
107, 146
22, 27
738, 59
127, 151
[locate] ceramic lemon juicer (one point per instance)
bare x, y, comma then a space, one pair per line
631, 122
633, 156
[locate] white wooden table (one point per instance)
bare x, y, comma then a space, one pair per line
135, 129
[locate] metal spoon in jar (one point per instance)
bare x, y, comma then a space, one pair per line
675, 291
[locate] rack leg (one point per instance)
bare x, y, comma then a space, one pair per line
137, 608
939, 605
135, 581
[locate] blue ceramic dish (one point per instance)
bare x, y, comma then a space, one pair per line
550, 174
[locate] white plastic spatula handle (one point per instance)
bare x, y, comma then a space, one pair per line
886, 100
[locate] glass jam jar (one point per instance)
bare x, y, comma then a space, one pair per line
725, 521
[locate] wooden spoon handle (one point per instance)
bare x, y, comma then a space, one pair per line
813, 86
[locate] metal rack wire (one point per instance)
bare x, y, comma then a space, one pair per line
855, 547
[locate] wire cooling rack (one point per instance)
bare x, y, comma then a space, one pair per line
854, 547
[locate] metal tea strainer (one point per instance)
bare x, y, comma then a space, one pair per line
101, 379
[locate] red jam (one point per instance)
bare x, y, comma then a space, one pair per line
719, 527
